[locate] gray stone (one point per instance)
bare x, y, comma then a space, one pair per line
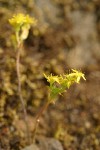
31, 147
49, 144
87, 47
45, 144
47, 12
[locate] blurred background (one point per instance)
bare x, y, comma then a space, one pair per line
67, 36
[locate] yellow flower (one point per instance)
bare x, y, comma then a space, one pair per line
52, 79
78, 75
20, 20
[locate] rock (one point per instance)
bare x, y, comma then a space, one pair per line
47, 13
45, 144
86, 51
49, 144
31, 147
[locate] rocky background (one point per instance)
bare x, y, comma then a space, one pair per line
67, 36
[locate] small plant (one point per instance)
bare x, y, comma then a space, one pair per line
58, 85
21, 24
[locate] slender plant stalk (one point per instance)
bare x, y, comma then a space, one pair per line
21, 24
38, 116
19, 48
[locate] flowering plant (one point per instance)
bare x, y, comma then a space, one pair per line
59, 84
21, 24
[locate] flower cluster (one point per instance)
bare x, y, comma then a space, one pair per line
20, 20
59, 84
21, 24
